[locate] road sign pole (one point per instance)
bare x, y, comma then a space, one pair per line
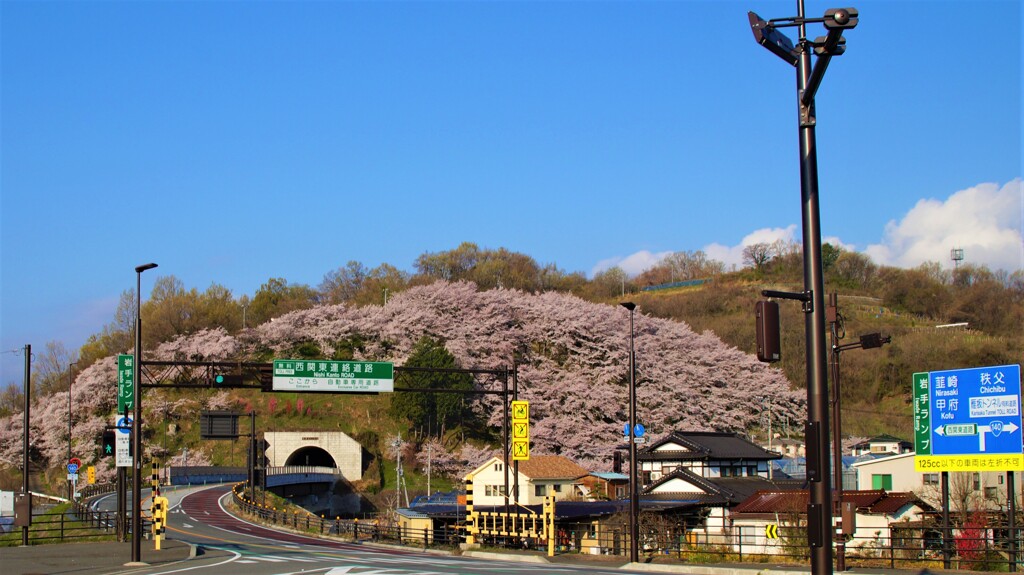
946, 533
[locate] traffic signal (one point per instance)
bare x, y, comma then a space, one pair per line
767, 328
109, 446
227, 380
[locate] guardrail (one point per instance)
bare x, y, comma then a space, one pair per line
376, 530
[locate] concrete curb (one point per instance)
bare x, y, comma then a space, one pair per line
477, 554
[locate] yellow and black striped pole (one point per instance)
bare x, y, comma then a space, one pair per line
155, 479
471, 527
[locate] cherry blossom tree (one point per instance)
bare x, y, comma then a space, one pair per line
571, 357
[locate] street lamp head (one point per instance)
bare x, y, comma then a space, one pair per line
628, 305
144, 267
776, 42
843, 18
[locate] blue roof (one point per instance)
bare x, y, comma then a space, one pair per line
610, 476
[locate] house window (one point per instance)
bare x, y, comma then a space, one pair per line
497, 467
557, 488
879, 481
991, 492
540, 490
1000, 480
931, 479
494, 490
977, 481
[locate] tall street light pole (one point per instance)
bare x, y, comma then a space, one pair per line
25, 442
634, 492
137, 420
808, 79
71, 381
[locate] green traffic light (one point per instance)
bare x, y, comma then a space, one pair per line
219, 379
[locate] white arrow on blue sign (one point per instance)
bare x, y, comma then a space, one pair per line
124, 424
638, 430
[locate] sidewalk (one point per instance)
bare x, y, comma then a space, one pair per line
87, 558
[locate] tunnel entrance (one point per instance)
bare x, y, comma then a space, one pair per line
311, 456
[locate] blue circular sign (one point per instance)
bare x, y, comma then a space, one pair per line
638, 430
124, 425
72, 468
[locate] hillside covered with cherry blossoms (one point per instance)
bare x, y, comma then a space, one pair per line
572, 358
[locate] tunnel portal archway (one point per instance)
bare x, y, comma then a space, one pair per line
311, 455
315, 448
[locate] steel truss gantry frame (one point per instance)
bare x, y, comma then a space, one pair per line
259, 375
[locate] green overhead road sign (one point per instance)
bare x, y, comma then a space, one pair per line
333, 376
125, 384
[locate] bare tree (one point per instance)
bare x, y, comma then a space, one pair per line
758, 255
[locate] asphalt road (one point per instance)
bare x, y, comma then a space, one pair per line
238, 547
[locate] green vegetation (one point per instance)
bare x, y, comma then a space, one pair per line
56, 524
906, 304
432, 414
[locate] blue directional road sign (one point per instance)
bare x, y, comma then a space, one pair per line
968, 420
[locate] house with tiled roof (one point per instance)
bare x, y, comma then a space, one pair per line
878, 516
883, 444
698, 476
539, 476
707, 454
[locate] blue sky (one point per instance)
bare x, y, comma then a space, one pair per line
232, 142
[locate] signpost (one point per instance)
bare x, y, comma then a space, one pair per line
123, 445
125, 384
520, 431
968, 420
333, 376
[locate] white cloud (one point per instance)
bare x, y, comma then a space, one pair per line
632, 264
985, 221
732, 256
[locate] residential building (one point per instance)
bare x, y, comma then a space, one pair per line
882, 444
604, 485
984, 490
539, 476
699, 475
706, 454
879, 515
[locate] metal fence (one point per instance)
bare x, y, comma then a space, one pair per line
986, 549
379, 529
76, 522
918, 547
